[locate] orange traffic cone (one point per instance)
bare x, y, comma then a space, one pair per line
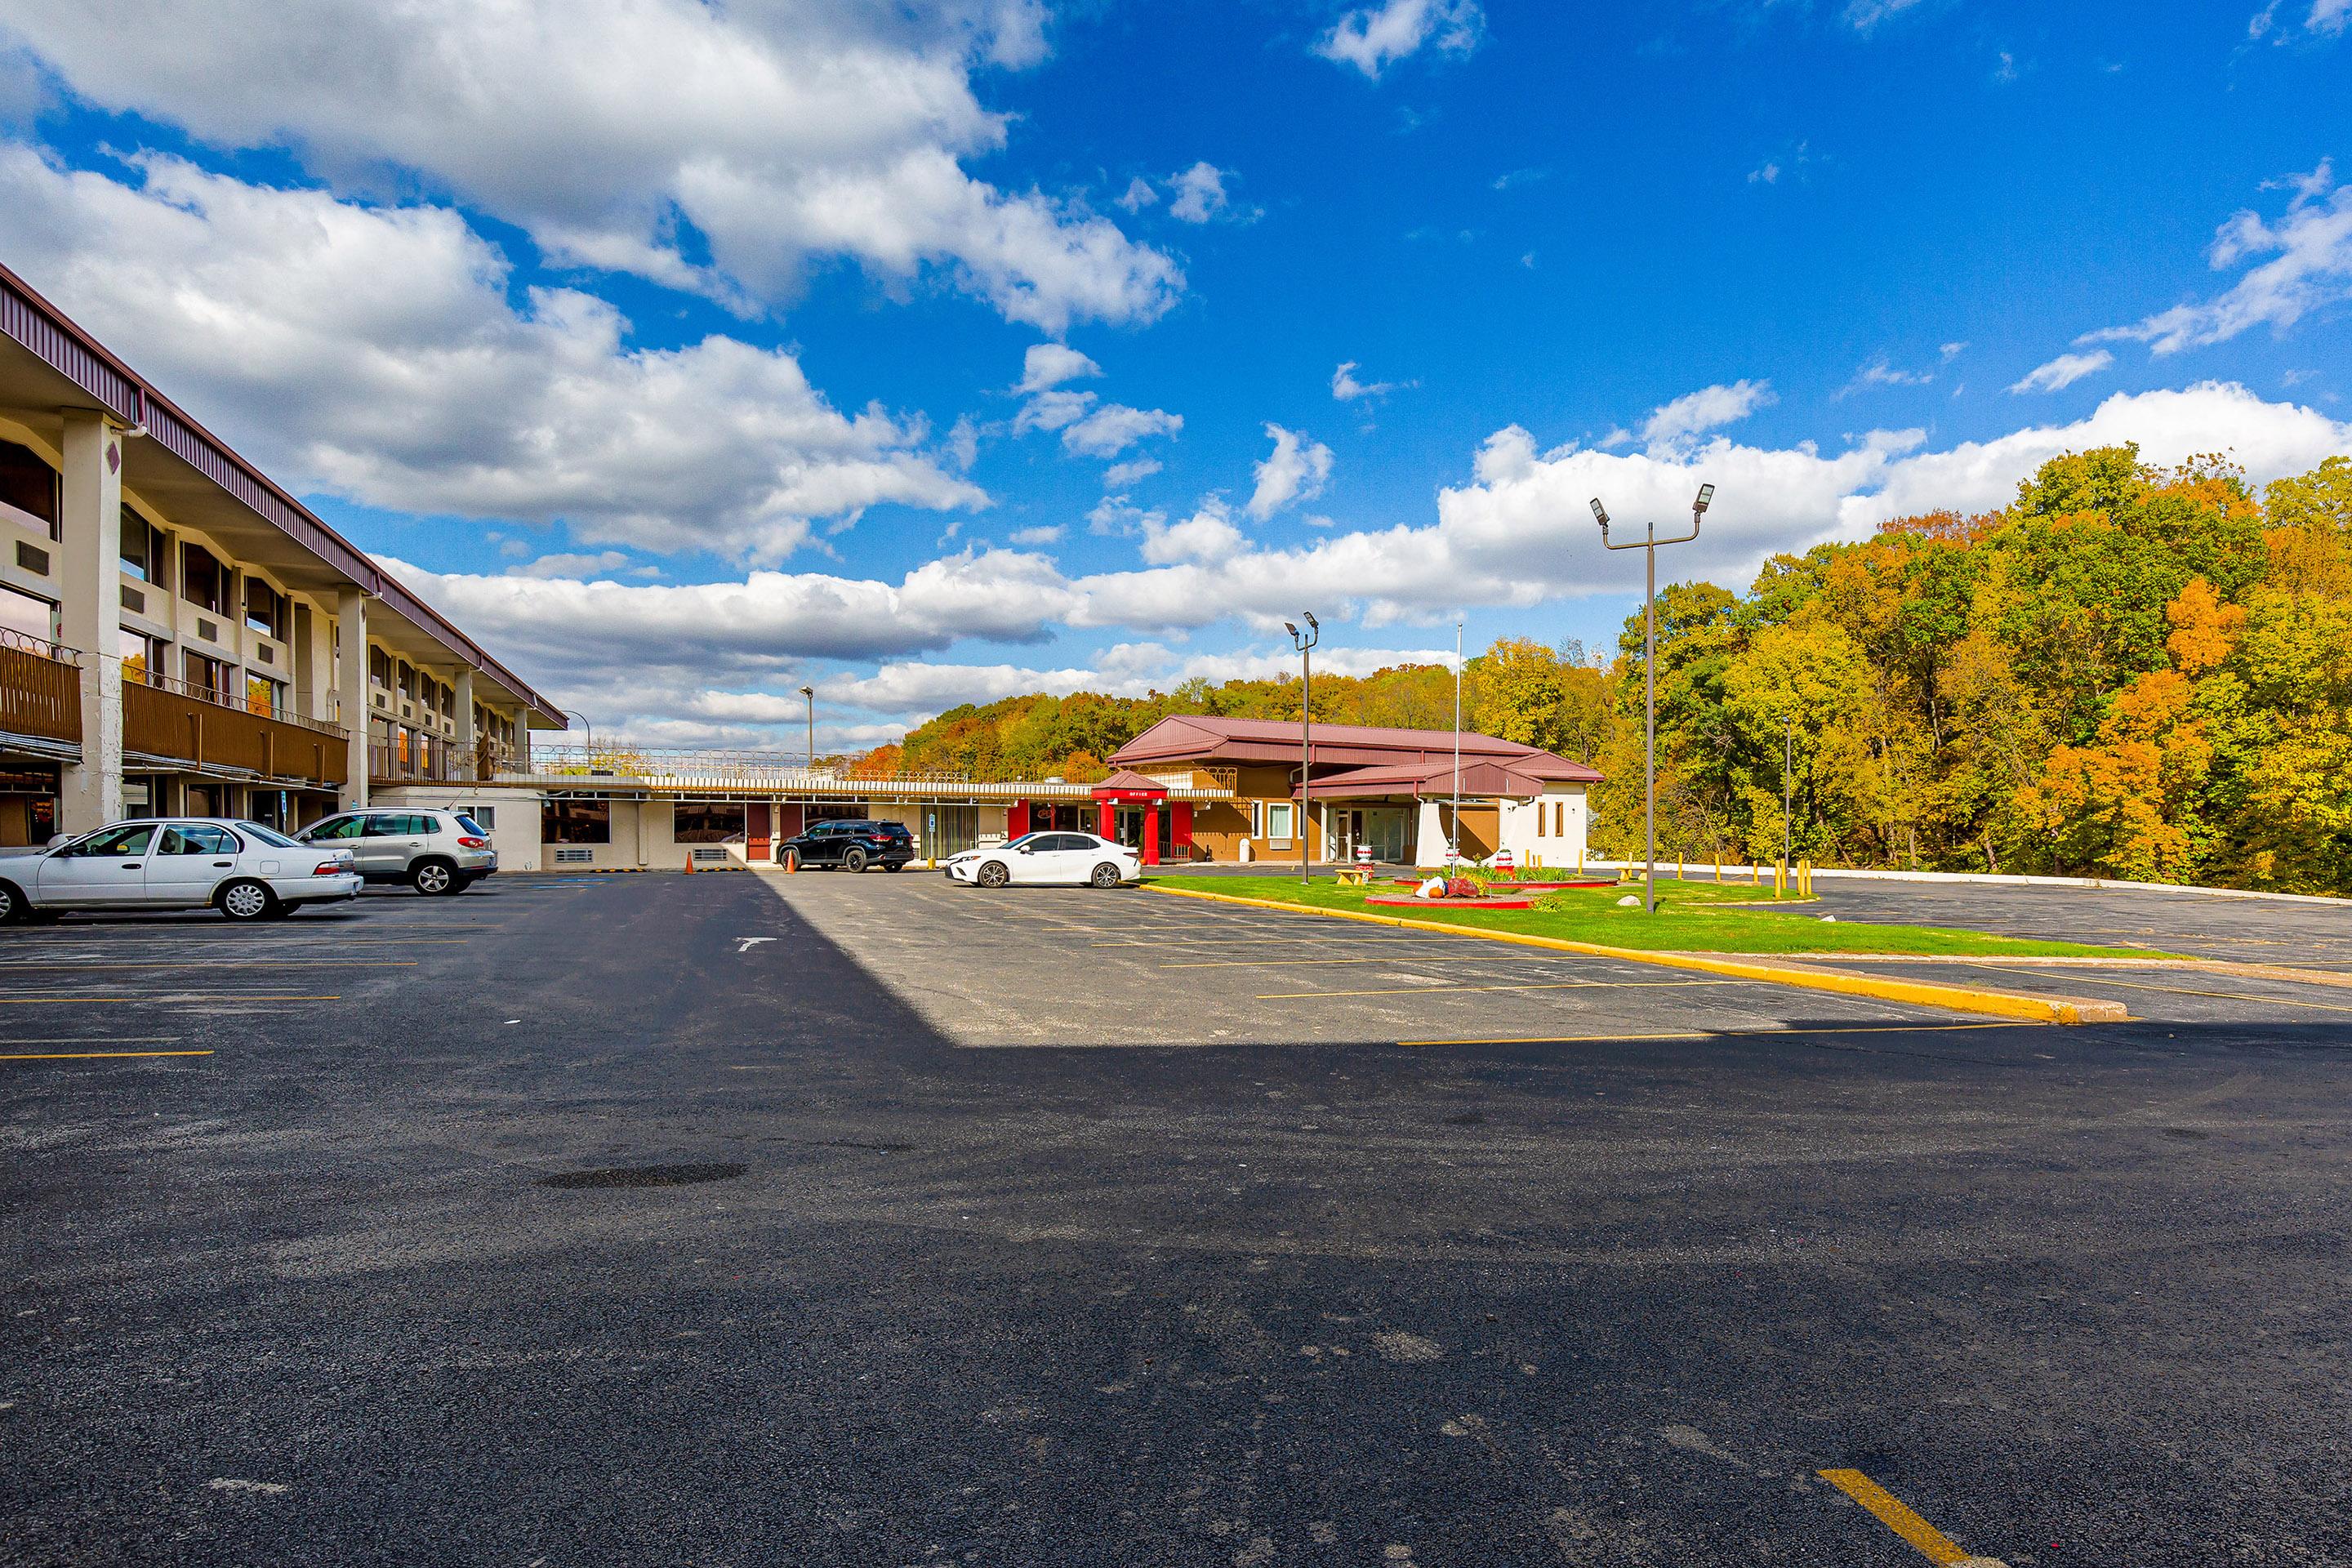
689, 862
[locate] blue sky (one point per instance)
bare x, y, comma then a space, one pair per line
939, 350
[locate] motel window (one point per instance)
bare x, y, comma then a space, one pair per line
708, 822
140, 654
1278, 819
379, 666
142, 547
27, 616
1257, 820
207, 677
203, 580
576, 822
29, 485
263, 695
408, 682
265, 608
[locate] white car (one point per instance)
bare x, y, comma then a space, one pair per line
1067, 859
247, 871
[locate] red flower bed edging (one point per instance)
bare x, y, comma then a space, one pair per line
1453, 903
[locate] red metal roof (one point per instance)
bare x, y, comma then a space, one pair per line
1128, 782
1484, 778
1200, 738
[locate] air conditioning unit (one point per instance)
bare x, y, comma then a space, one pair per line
575, 857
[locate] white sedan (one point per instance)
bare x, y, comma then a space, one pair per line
1068, 859
247, 871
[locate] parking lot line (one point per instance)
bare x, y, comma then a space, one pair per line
1423, 958
90, 1055
1728, 1034
1931, 1544
166, 996
2075, 977
37, 965
1542, 986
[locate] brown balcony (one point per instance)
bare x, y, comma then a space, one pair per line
170, 721
40, 689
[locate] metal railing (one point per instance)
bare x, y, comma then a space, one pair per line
40, 687
135, 676
441, 763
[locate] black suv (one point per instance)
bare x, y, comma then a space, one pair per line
852, 846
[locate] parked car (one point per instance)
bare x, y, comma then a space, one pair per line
851, 846
247, 871
1070, 859
435, 852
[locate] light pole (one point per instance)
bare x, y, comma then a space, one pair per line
1649, 544
1453, 833
810, 692
1305, 643
591, 729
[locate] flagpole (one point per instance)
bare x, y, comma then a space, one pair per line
1453, 837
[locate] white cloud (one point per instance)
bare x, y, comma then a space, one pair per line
1375, 37
1050, 533
374, 352
1138, 196
1200, 195
2326, 19
604, 564
1880, 373
1862, 15
777, 134
1765, 174
1704, 410
1207, 536
1297, 469
2312, 247
1114, 427
1050, 364
1052, 411
1118, 475
2063, 371
1347, 388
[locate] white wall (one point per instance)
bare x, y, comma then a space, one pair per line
514, 828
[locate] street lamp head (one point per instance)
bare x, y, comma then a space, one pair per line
1705, 494
1290, 626
808, 691
1311, 621
1601, 514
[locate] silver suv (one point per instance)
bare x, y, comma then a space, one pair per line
435, 852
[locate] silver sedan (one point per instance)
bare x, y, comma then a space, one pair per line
247, 871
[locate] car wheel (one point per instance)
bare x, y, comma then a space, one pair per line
13, 907
434, 878
282, 911
1106, 876
853, 862
993, 874
894, 866
246, 899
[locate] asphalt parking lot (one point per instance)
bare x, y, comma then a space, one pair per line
743, 1219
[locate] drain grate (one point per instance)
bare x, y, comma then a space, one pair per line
643, 1176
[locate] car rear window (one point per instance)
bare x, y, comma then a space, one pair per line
892, 830
268, 837
470, 825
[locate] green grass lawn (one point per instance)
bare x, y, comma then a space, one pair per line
1693, 917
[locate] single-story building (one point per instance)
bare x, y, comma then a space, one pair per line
1189, 789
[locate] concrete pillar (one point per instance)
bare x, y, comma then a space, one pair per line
89, 529
463, 705
1151, 832
350, 688
1105, 820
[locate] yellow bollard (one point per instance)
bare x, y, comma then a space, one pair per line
1718, 870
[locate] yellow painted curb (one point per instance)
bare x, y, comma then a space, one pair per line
1958, 998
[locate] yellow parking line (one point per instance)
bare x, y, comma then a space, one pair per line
2073, 976
1453, 990
92, 1055
1293, 961
1722, 1034
1932, 1543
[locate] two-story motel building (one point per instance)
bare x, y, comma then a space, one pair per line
177, 634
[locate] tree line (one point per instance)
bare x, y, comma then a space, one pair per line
2128, 671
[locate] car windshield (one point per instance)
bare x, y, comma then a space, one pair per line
267, 835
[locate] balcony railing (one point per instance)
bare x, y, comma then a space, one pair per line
172, 722
135, 676
40, 687
391, 762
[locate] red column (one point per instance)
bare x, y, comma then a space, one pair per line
1016, 819
1151, 832
1103, 820
1183, 832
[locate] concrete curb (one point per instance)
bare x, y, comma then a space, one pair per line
1918, 993
2241, 968
1985, 878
